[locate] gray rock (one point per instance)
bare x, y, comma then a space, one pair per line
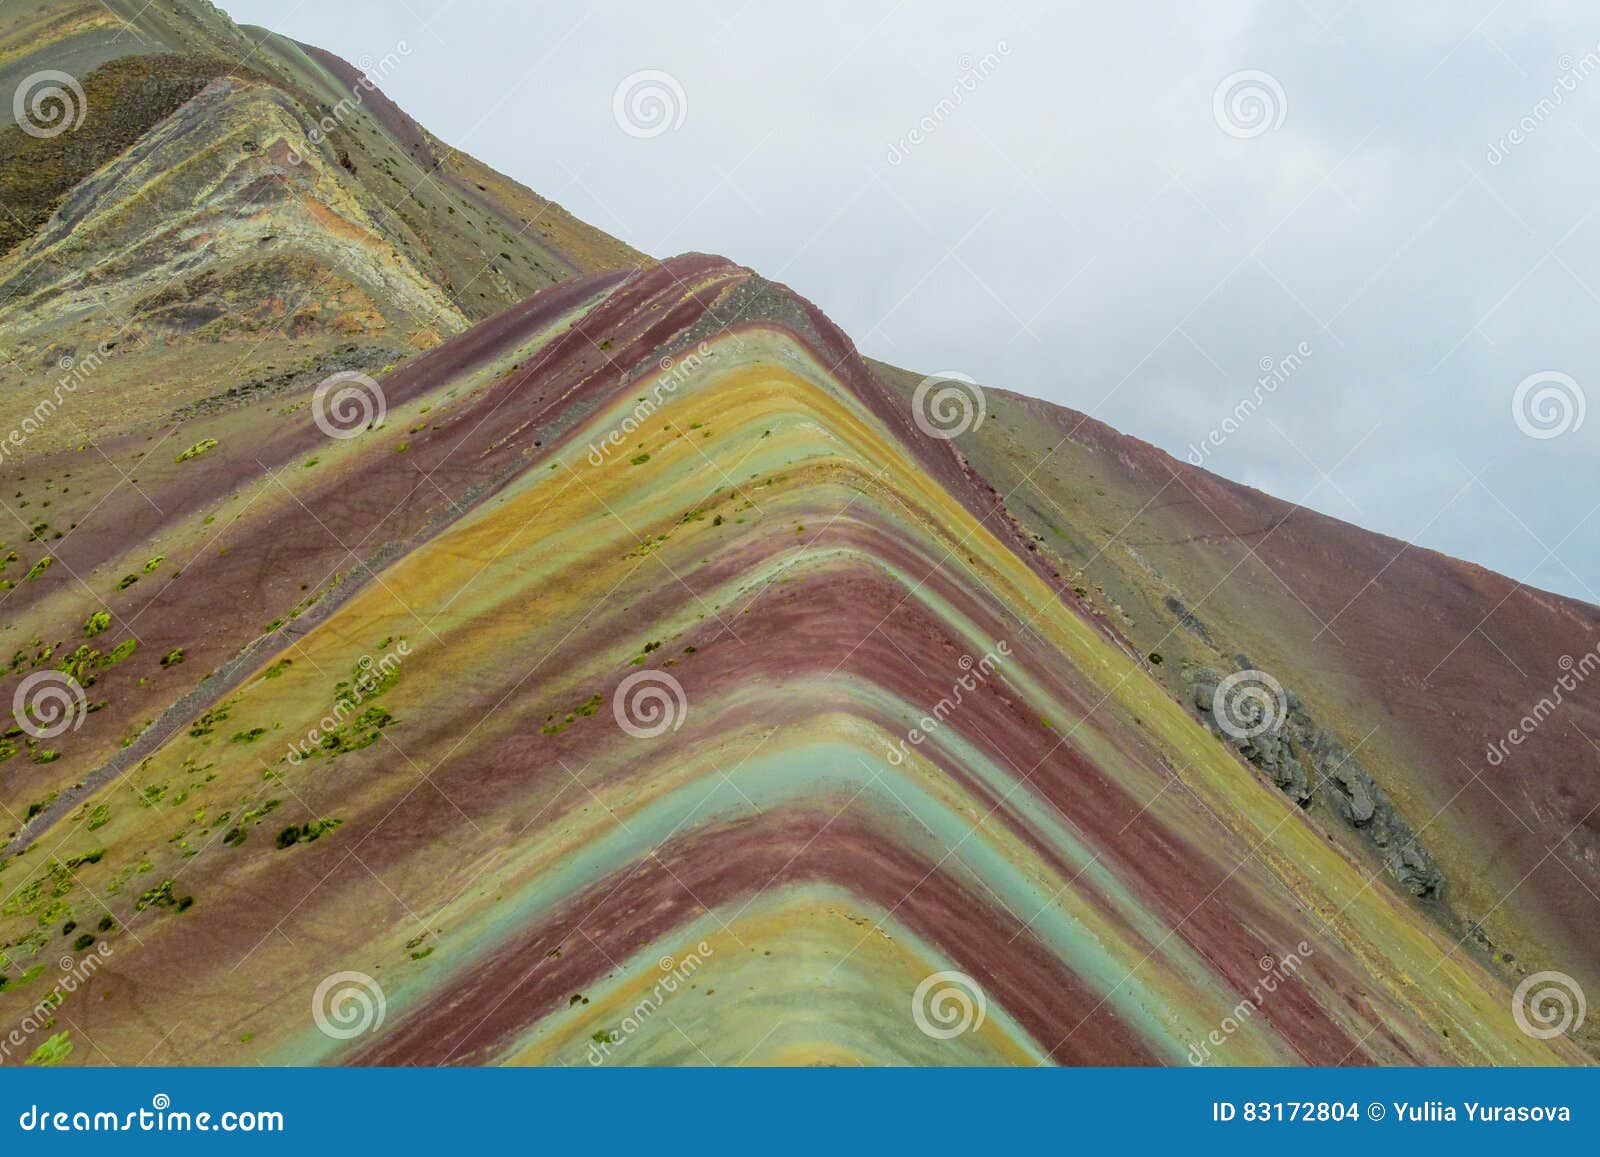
1307, 762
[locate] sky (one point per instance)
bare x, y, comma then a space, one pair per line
1342, 252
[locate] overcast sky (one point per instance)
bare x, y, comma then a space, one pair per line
1069, 201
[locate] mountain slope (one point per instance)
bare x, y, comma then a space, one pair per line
1410, 668
232, 199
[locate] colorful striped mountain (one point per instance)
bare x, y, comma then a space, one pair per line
609, 665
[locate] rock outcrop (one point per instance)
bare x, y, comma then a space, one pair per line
1309, 764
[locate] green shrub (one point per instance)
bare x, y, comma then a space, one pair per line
197, 449
53, 1051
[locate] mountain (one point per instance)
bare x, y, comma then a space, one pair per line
242, 213
1412, 668
516, 649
